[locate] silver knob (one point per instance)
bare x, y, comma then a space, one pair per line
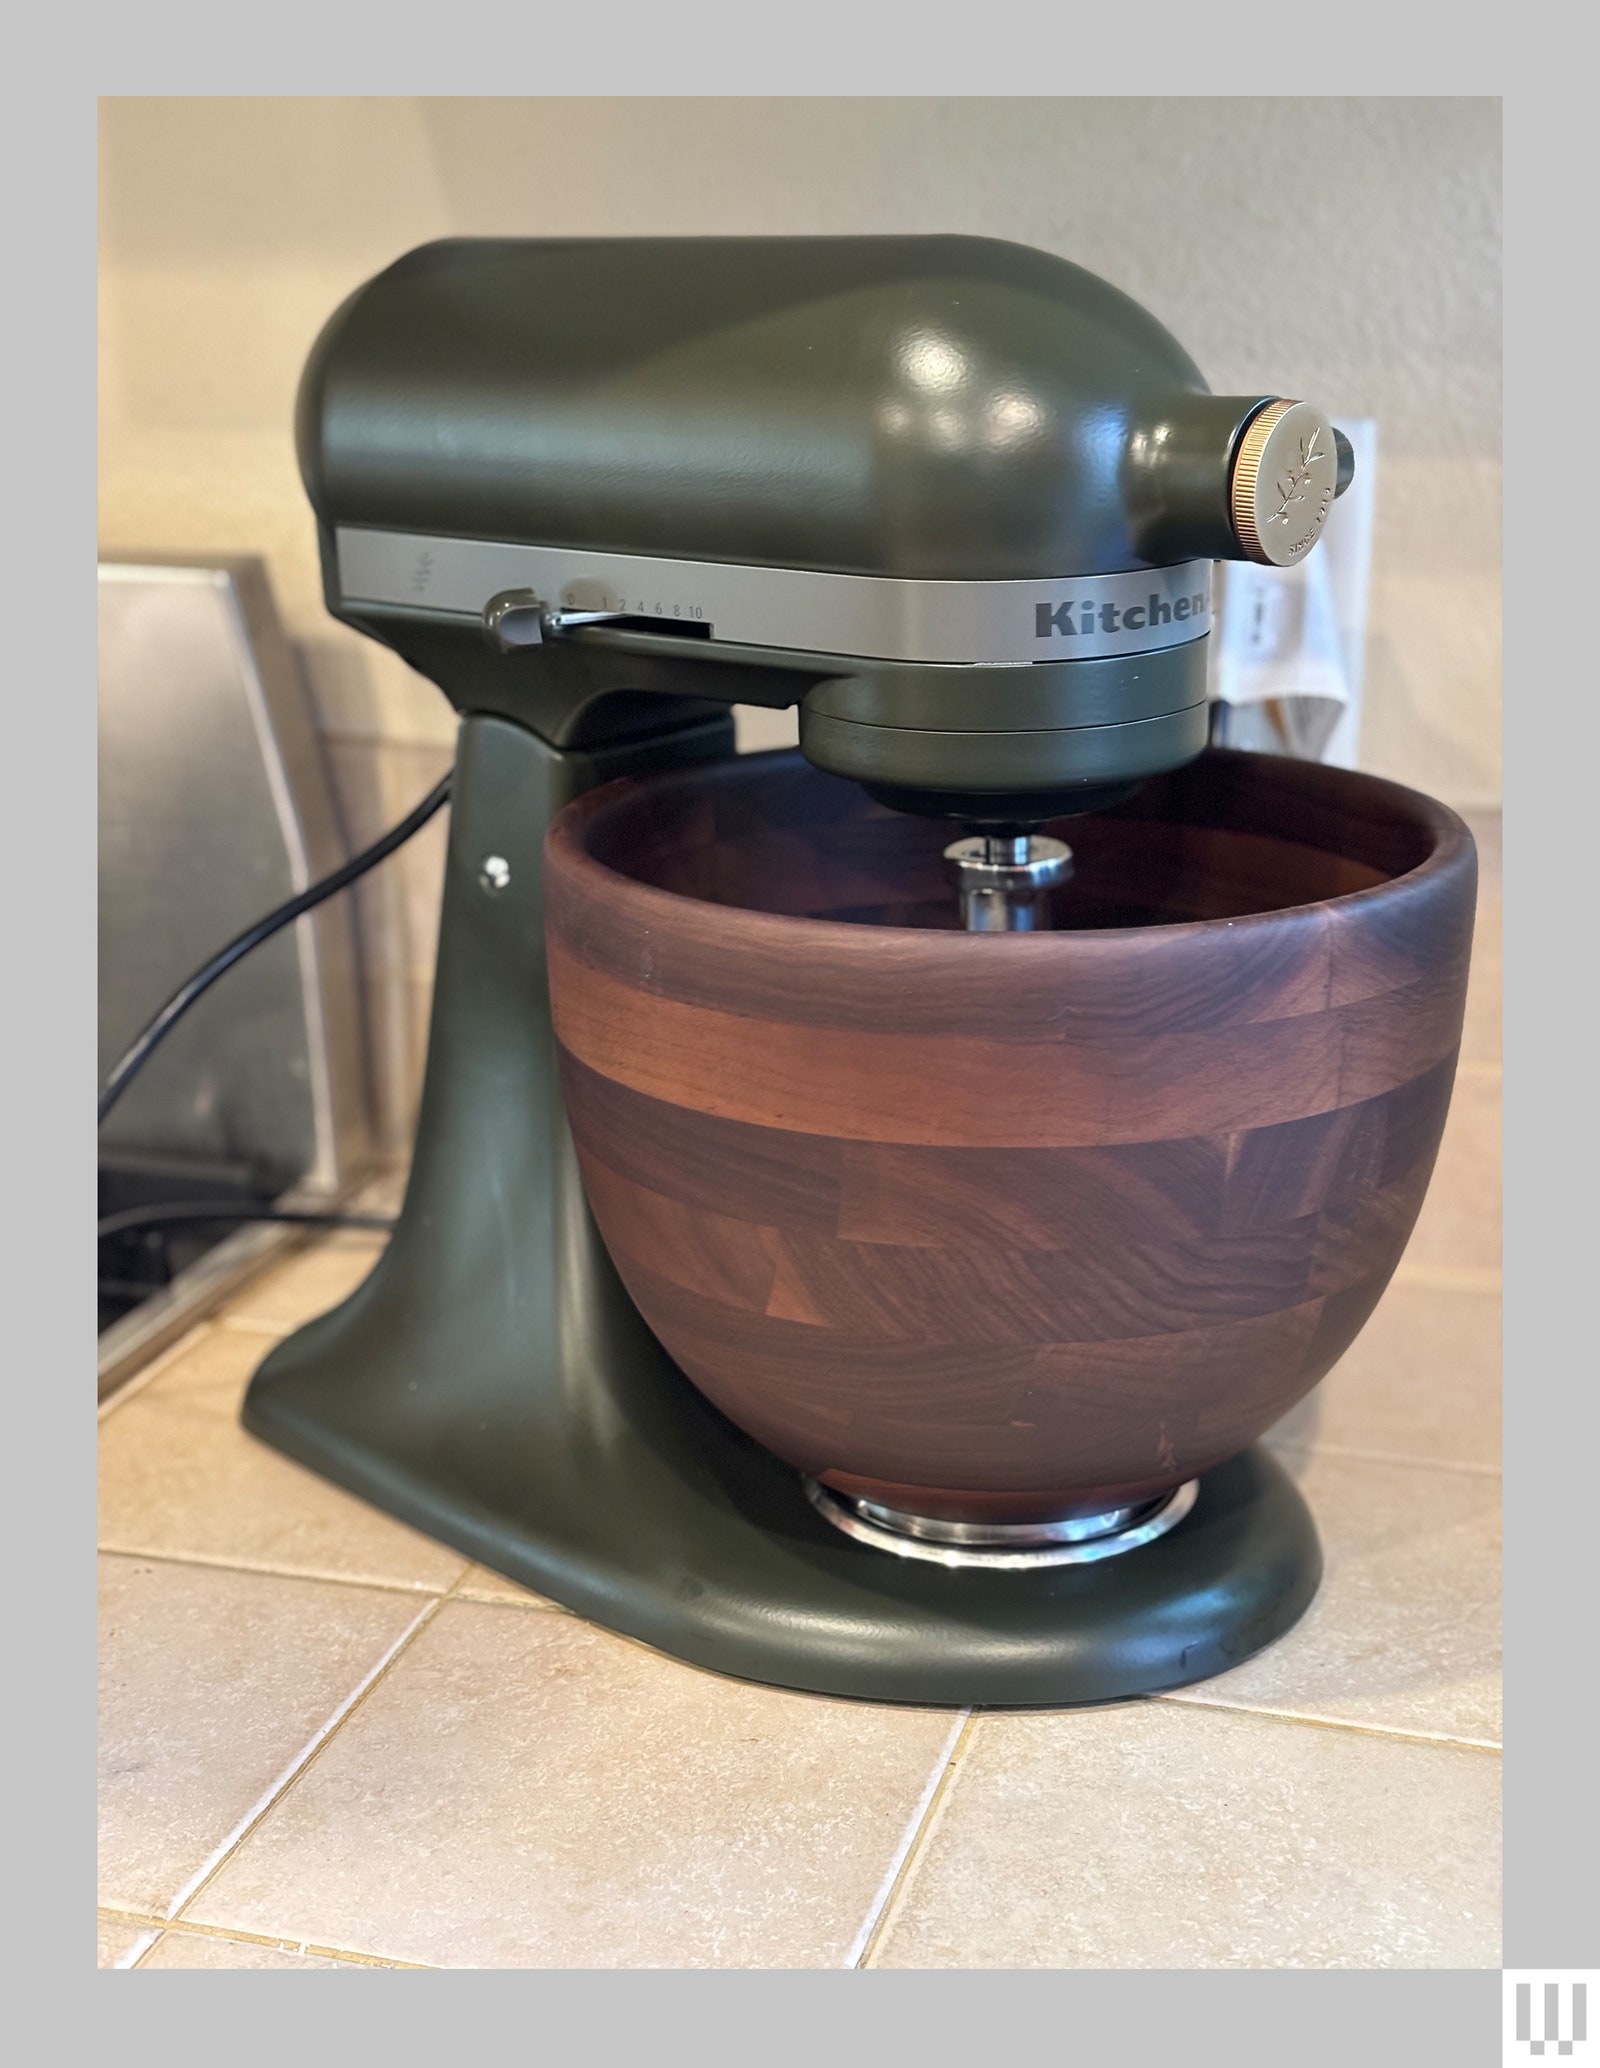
518, 618
1285, 477
513, 619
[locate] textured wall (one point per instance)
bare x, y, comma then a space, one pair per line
1338, 248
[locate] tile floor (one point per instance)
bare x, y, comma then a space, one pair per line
329, 1743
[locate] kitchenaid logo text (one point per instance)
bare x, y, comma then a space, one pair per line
1072, 620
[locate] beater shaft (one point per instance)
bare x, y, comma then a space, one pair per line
1005, 880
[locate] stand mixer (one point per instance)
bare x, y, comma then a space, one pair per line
959, 501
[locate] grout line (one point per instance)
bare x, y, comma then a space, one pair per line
1394, 1732
281, 1572
877, 1922
210, 1867
160, 1928
536, 1604
145, 1941
264, 1325
1465, 1278
1319, 1449
242, 1325
897, 1860
339, 1238
153, 1370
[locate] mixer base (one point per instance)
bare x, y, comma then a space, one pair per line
648, 1513
492, 1384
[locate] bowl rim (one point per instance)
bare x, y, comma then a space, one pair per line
566, 846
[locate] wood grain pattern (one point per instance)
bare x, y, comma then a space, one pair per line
1001, 1226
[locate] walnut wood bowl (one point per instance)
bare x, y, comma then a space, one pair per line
1003, 1228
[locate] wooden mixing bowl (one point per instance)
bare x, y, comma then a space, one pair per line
1007, 1228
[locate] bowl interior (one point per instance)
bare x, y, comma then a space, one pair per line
1230, 835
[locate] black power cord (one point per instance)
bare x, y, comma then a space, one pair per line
144, 1043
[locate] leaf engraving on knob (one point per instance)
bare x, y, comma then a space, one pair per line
1294, 490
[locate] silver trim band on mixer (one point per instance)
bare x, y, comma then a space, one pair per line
864, 617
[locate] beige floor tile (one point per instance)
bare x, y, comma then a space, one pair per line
483, 1585
1422, 1380
213, 1685
1480, 1041
1155, 1836
1404, 1634
180, 1478
1459, 1226
121, 1941
150, 1370
200, 1949
384, 1192
528, 1791
319, 1277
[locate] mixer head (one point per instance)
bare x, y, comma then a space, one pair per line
957, 499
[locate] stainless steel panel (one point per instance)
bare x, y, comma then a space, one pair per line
215, 806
